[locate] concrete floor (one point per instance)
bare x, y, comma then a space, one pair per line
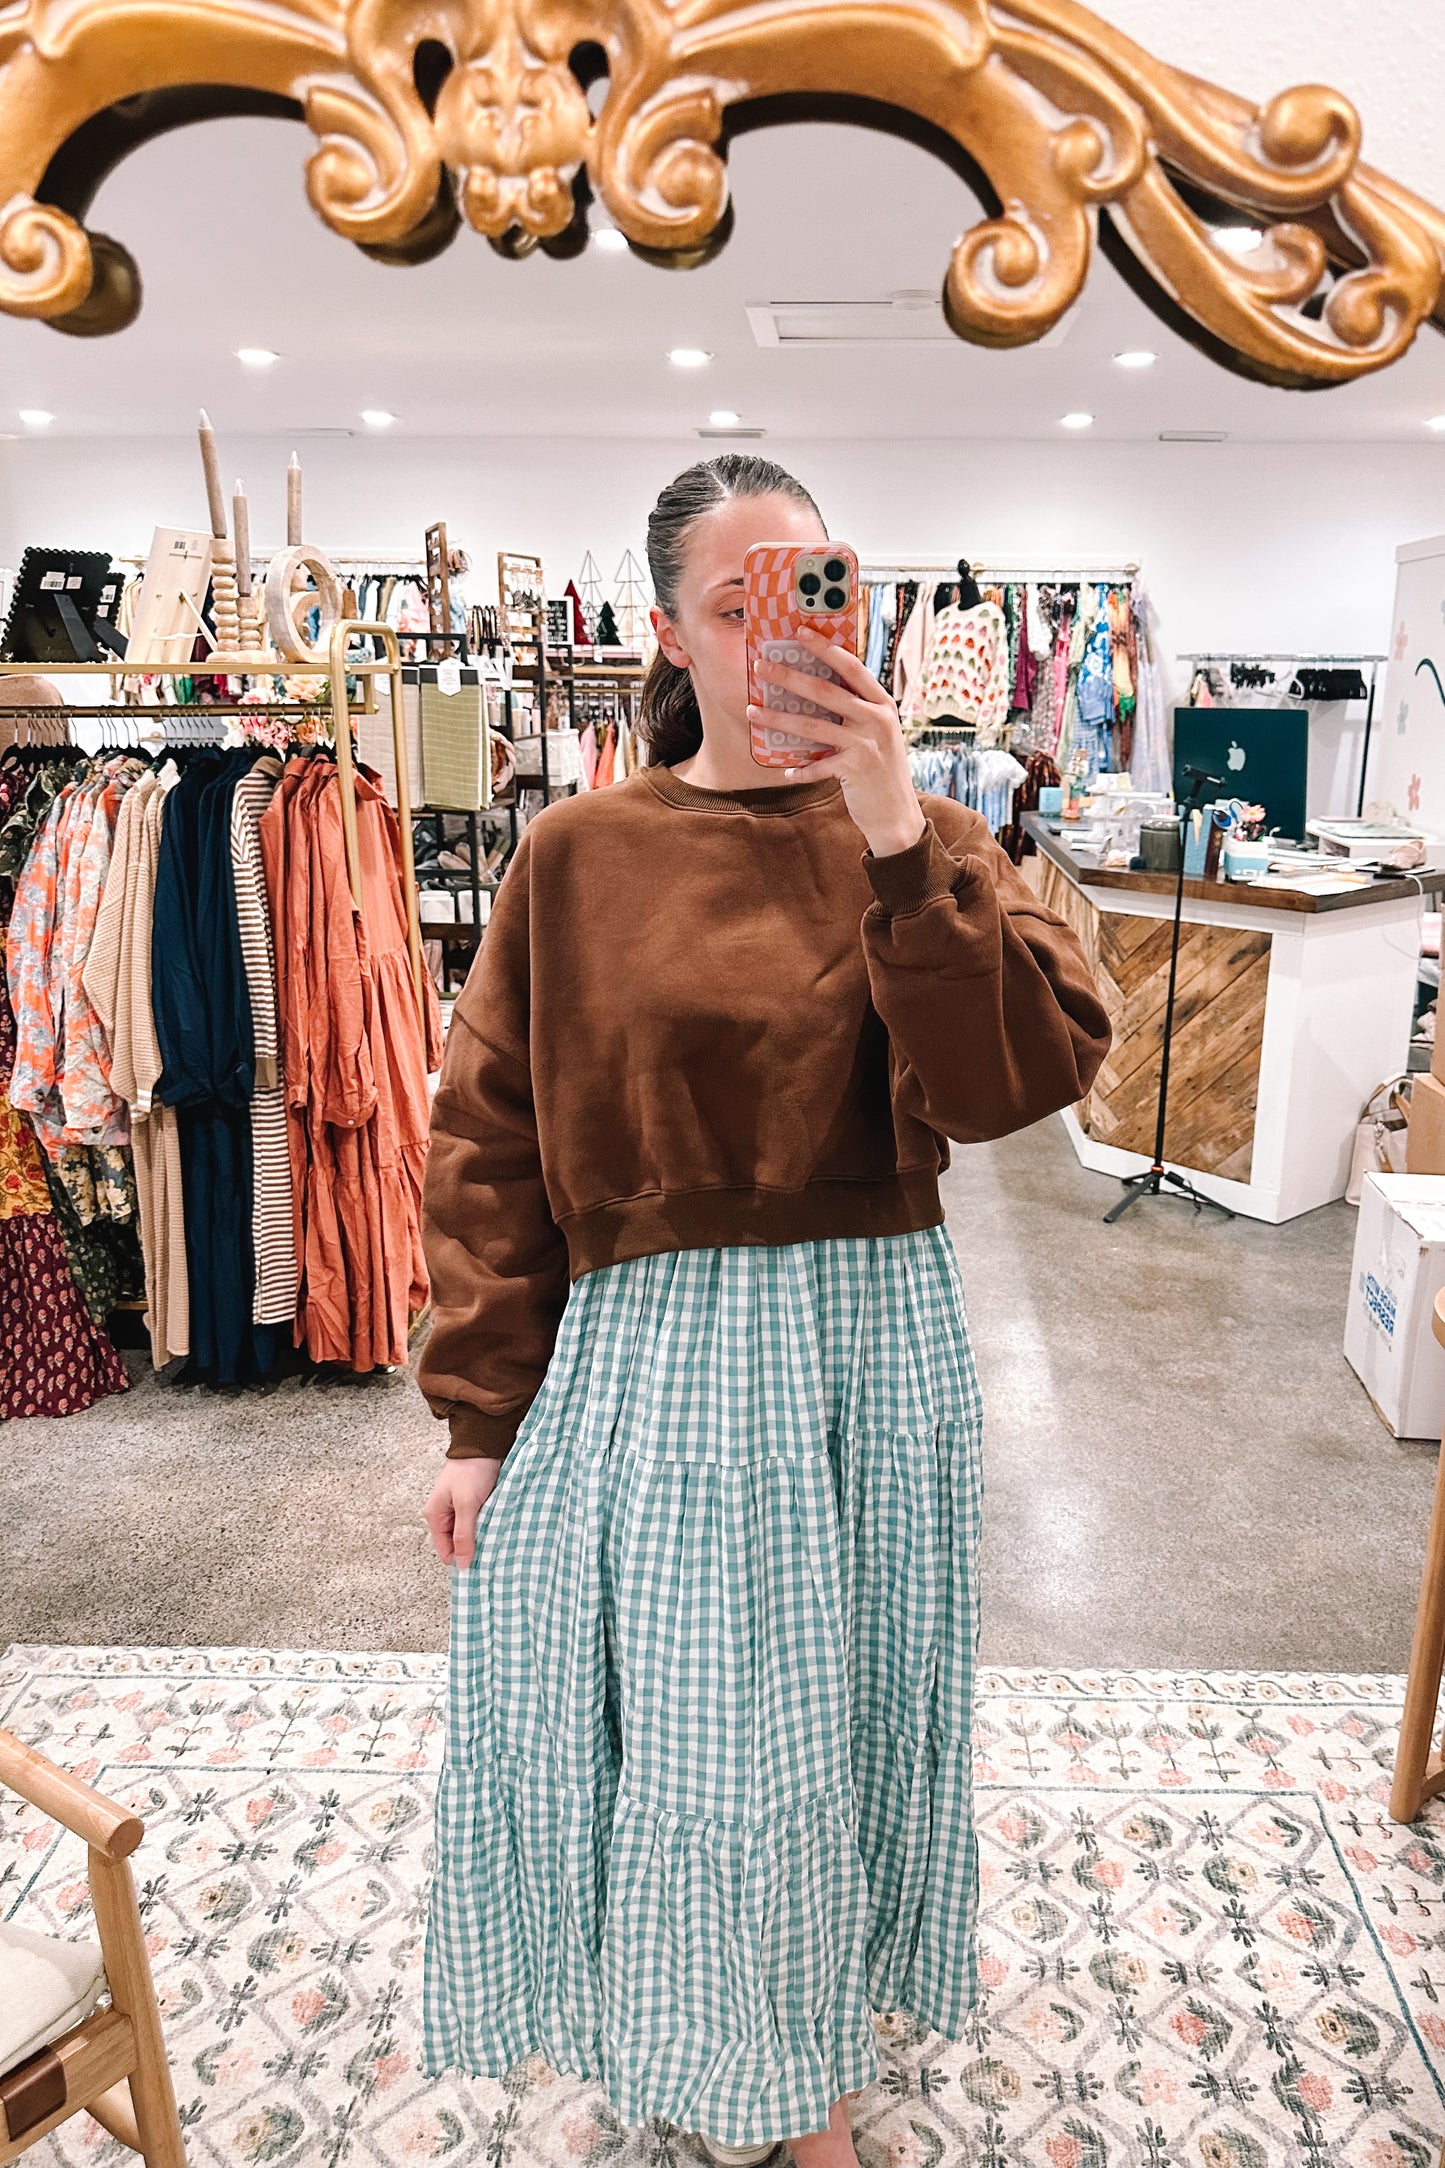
1181, 1469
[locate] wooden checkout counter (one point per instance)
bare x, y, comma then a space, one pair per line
1291, 1007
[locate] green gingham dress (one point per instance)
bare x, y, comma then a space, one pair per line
706, 1801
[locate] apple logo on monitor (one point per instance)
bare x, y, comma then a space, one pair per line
1235, 756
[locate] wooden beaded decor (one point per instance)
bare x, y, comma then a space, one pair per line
430, 112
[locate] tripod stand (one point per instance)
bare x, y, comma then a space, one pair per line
1151, 1182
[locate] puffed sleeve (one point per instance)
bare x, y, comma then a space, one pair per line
496, 1257
993, 1014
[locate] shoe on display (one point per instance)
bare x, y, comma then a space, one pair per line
455, 859
739, 2156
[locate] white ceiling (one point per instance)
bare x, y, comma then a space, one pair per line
474, 346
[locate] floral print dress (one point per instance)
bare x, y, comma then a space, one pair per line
55, 1358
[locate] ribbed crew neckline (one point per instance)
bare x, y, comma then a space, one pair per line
762, 798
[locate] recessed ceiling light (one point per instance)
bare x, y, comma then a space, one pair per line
35, 417
1076, 421
256, 357
1138, 357
689, 357
723, 417
609, 240
376, 417
1237, 240
1437, 422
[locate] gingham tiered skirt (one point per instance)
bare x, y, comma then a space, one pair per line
706, 1798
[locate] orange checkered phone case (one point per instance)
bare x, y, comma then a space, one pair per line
784, 586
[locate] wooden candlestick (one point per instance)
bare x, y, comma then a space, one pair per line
242, 514
212, 467
223, 587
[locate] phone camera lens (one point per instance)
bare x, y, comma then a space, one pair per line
810, 583
835, 569
835, 598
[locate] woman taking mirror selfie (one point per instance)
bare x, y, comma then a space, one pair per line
712, 1495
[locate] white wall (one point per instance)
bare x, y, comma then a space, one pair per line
1244, 546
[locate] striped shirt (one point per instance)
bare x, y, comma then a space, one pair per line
272, 1224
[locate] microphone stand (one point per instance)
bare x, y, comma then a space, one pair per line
1151, 1182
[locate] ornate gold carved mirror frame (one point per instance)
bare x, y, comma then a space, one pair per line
430, 111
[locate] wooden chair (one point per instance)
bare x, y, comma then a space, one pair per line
113, 2061
1419, 1763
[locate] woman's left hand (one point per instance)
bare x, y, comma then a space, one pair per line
871, 760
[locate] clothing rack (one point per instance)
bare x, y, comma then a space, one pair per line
1272, 655
336, 670
1104, 571
1320, 662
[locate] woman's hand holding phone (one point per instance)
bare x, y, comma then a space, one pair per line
870, 757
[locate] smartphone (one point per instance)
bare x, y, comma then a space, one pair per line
786, 585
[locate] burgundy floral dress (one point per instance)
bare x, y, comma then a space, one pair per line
53, 1359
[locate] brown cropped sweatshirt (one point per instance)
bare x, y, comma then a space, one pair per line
702, 1018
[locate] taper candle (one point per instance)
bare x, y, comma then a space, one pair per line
243, 541
293, 503
212, 465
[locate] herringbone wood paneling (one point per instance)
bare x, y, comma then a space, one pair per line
1219, 1001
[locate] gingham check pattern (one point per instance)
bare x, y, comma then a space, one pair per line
706, 1800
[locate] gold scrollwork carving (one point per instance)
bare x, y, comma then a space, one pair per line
423, 109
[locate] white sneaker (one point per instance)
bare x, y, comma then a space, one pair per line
739, 2156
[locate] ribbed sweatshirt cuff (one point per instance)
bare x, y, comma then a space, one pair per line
479, 1436
906, 880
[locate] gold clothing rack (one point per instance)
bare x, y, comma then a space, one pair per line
335, 671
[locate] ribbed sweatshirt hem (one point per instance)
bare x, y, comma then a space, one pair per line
701, 1219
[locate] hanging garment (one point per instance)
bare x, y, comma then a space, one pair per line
1071, 658
965, 677
1042, 728
882, 611
355, 1060
905, 596
62, 1070
1093, 735
1152, 759
203, 1026
913, 649
273, 1238
1040, 772
735, 1450
118, 981
1025, 672
54, 1358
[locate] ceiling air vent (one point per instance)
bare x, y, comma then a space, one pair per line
910, 316
1194, 436
314, 433
732, 432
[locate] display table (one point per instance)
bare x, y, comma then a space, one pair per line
1291, 1006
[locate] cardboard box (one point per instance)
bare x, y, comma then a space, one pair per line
1437, 1049
1397, 1270
1425, 1149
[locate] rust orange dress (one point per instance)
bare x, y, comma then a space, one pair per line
357, 1055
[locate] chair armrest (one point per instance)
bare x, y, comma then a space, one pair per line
86, 1813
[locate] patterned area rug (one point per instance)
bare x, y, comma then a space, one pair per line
1204, 1943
